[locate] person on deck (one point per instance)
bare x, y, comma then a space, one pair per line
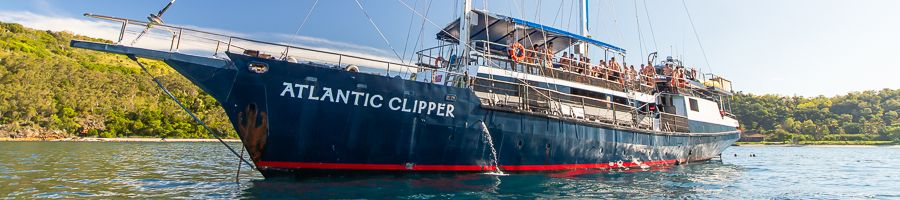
564, 61
548, 55
634, 74
604, 69
615, 68
693, 73
583, 66
531, 56
667, 70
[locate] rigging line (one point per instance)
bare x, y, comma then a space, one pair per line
409, 30
427, 20
379, 31
650, 22
640, 34
708, 67
616, 21
526, 35
568, 25
467, 45
172, 96
296, 33
544, 33
558, 12
421, 30
487, 34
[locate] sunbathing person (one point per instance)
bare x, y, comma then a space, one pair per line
615, 68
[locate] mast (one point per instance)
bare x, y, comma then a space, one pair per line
464, 26
583, 25
583, 16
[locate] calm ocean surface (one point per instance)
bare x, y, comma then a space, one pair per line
207, 170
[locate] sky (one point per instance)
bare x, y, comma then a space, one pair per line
797, 47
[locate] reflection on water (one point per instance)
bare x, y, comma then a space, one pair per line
207, 170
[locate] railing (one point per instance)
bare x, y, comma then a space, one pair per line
673, 123
518, 96
203, 43
536, 63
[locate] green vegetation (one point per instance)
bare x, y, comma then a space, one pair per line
48, 89
869, 117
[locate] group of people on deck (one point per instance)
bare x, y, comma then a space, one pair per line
543, 55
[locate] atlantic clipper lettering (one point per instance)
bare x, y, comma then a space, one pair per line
355, 98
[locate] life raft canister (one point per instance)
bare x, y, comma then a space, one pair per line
516, 52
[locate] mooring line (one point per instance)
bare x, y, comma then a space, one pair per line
237, 176
163, 88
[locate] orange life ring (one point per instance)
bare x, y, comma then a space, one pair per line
516, 52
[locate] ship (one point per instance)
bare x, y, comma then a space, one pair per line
494, 96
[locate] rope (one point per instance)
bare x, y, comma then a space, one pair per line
379, 31
421, 31
306, 18
163, 88
558, 12
640, 34
650, 22
708, 66
237, 176
451, 35
409, 30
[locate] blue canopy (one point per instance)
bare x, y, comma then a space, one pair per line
507, 30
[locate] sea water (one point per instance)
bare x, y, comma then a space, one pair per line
207, 170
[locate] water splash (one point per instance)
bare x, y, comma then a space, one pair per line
490, 142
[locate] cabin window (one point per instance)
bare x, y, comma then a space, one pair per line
694, 106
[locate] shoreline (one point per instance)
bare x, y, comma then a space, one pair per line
80, 139
819, 143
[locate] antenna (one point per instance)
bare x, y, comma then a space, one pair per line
153, 19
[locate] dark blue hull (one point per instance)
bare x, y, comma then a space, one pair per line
304, 119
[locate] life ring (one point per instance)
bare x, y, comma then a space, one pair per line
516, 52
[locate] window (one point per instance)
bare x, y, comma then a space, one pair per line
694, 106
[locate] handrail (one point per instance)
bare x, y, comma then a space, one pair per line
230, 41
605, 74
611, 106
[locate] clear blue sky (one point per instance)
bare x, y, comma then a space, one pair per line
798, 47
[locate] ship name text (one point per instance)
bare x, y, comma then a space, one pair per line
364, 99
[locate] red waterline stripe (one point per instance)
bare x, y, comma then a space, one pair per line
396, 167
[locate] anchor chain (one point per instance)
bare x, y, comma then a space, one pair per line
163, 88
